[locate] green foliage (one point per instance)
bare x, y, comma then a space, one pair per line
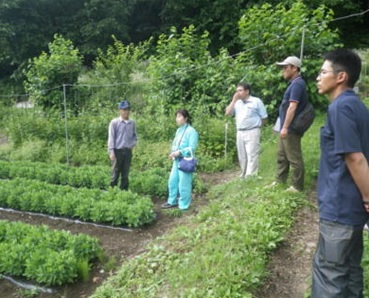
233, 236
214, 16
37, 136
25, 293
365, 264
47, 74
273, 33
120, 69
150, 154
27, 27
87, 135
153, 182
184, 73
174, 66
42, 255
112, 206
363, 83
35, 150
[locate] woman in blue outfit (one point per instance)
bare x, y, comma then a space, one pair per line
180, 183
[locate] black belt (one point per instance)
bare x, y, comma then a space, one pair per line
123, 149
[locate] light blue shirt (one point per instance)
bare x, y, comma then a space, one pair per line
185, 140
249, 113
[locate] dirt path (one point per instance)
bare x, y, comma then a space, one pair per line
290, 265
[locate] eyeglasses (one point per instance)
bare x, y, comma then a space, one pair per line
240, 90
323, 72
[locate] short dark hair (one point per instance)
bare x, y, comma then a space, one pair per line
185, 114
345, 60
245, 86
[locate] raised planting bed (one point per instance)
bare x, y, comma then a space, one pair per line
47, 257
113, 206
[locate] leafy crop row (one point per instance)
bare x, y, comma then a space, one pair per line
152, 182
85, 176
112, 206
48, 257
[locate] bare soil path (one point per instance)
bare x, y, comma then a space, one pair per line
290, 265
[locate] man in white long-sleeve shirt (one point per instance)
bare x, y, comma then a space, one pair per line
122, 138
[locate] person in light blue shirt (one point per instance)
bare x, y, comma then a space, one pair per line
250, 115
184, 145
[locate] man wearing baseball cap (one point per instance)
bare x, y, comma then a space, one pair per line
289, 152
122, 138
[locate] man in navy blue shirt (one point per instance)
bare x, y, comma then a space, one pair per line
289, 153
343, 181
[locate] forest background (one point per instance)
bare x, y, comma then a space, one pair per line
76, 60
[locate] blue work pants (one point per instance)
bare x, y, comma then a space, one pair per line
180, 187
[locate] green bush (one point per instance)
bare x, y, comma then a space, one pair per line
47, 73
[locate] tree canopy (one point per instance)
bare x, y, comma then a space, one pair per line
26, 27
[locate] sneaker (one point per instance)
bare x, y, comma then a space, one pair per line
292, 189
167, 206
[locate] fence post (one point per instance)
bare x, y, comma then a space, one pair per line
66, 122
226, 140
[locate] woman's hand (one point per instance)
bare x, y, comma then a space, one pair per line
174, 154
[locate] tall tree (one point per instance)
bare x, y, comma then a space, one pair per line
47, 73
26, 27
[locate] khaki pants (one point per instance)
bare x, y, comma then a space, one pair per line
289, 154
248, 147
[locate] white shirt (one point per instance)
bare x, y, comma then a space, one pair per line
249, 113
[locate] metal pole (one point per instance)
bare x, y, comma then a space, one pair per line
225, 140
302, 44
66, 122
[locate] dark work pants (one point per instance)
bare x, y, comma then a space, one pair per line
337, 271
289, 154
120, 167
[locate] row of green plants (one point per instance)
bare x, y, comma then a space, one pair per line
47, 257
111, 207
151, 182
53, 173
